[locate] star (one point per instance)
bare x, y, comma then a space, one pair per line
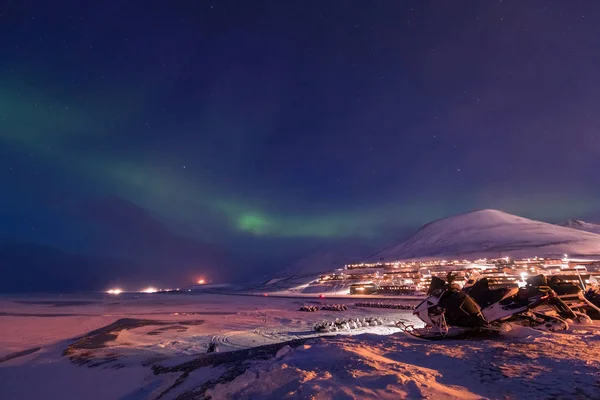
290, 146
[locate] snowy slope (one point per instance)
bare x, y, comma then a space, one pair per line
307, 269
581, 225
492, 233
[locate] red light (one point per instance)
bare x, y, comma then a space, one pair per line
321, 296
265, 294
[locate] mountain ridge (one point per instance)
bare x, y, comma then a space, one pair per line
580, 225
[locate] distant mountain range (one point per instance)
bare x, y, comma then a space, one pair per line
27, 267
131, 231
131, 248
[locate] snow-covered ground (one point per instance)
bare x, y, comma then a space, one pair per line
146, 346
527, 364
135, 331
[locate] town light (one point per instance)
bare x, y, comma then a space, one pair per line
201, 281
524, 275
114, 291
150, 290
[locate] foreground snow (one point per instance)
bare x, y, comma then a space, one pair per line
68, 344
150, 347
528, 365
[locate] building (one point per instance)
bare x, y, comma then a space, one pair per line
363, 288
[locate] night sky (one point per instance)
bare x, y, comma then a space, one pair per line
226, 138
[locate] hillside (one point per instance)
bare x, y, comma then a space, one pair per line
492, 233
307, 269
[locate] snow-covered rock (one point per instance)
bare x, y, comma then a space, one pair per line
283, 352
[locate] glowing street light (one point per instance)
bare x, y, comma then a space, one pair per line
524, 275
201, 281
523, 281
150, 290
114, 291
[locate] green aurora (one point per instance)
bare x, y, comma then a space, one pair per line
51, 126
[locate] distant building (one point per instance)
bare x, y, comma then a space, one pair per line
363, 288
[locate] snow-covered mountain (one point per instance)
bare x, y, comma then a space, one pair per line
492, 233
581, 225
483, 233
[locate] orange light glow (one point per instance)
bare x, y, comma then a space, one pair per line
201, 281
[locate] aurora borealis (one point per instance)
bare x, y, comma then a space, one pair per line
254, 125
